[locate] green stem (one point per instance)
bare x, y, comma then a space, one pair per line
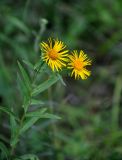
24, 114
18, 134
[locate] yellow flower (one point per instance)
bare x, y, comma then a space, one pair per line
78, 62
54, 54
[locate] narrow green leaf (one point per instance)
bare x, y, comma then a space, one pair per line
28, 123
41, 113
34, 116
26, 102
4, 138
29, 157
24, 92
14, 129
25, 76
50, 116
4, 150
8, 111
21, 86
38, 64
30, 65
13, 125
61, 79
38, 113
14, 141
36, 102
45, 85
19, 24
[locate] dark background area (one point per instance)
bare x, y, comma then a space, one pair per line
91, 124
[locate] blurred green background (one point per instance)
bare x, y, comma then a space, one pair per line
91, 124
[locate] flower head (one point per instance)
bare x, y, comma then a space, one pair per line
54, 54
78, 62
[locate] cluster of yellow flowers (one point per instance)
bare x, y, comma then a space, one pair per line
54, 53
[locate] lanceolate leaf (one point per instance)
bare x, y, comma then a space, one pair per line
45, 85
32, 119
25, 76
14, 128
50, 116
28, 123
24, 93
38, 64
61, 79
4, 150
29, 157
30, 65
26, 102
34, 116
18, 23
36, 102
8, 111
42, 114
38, 113
4, 138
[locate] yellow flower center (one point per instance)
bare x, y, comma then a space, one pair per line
78, 64
53, 54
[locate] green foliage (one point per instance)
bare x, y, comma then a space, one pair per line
91, 125
25, 77
28, 157
8, 111
5, 152
45, 85
18, 126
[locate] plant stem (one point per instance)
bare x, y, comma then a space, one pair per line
17, 134
25, 111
